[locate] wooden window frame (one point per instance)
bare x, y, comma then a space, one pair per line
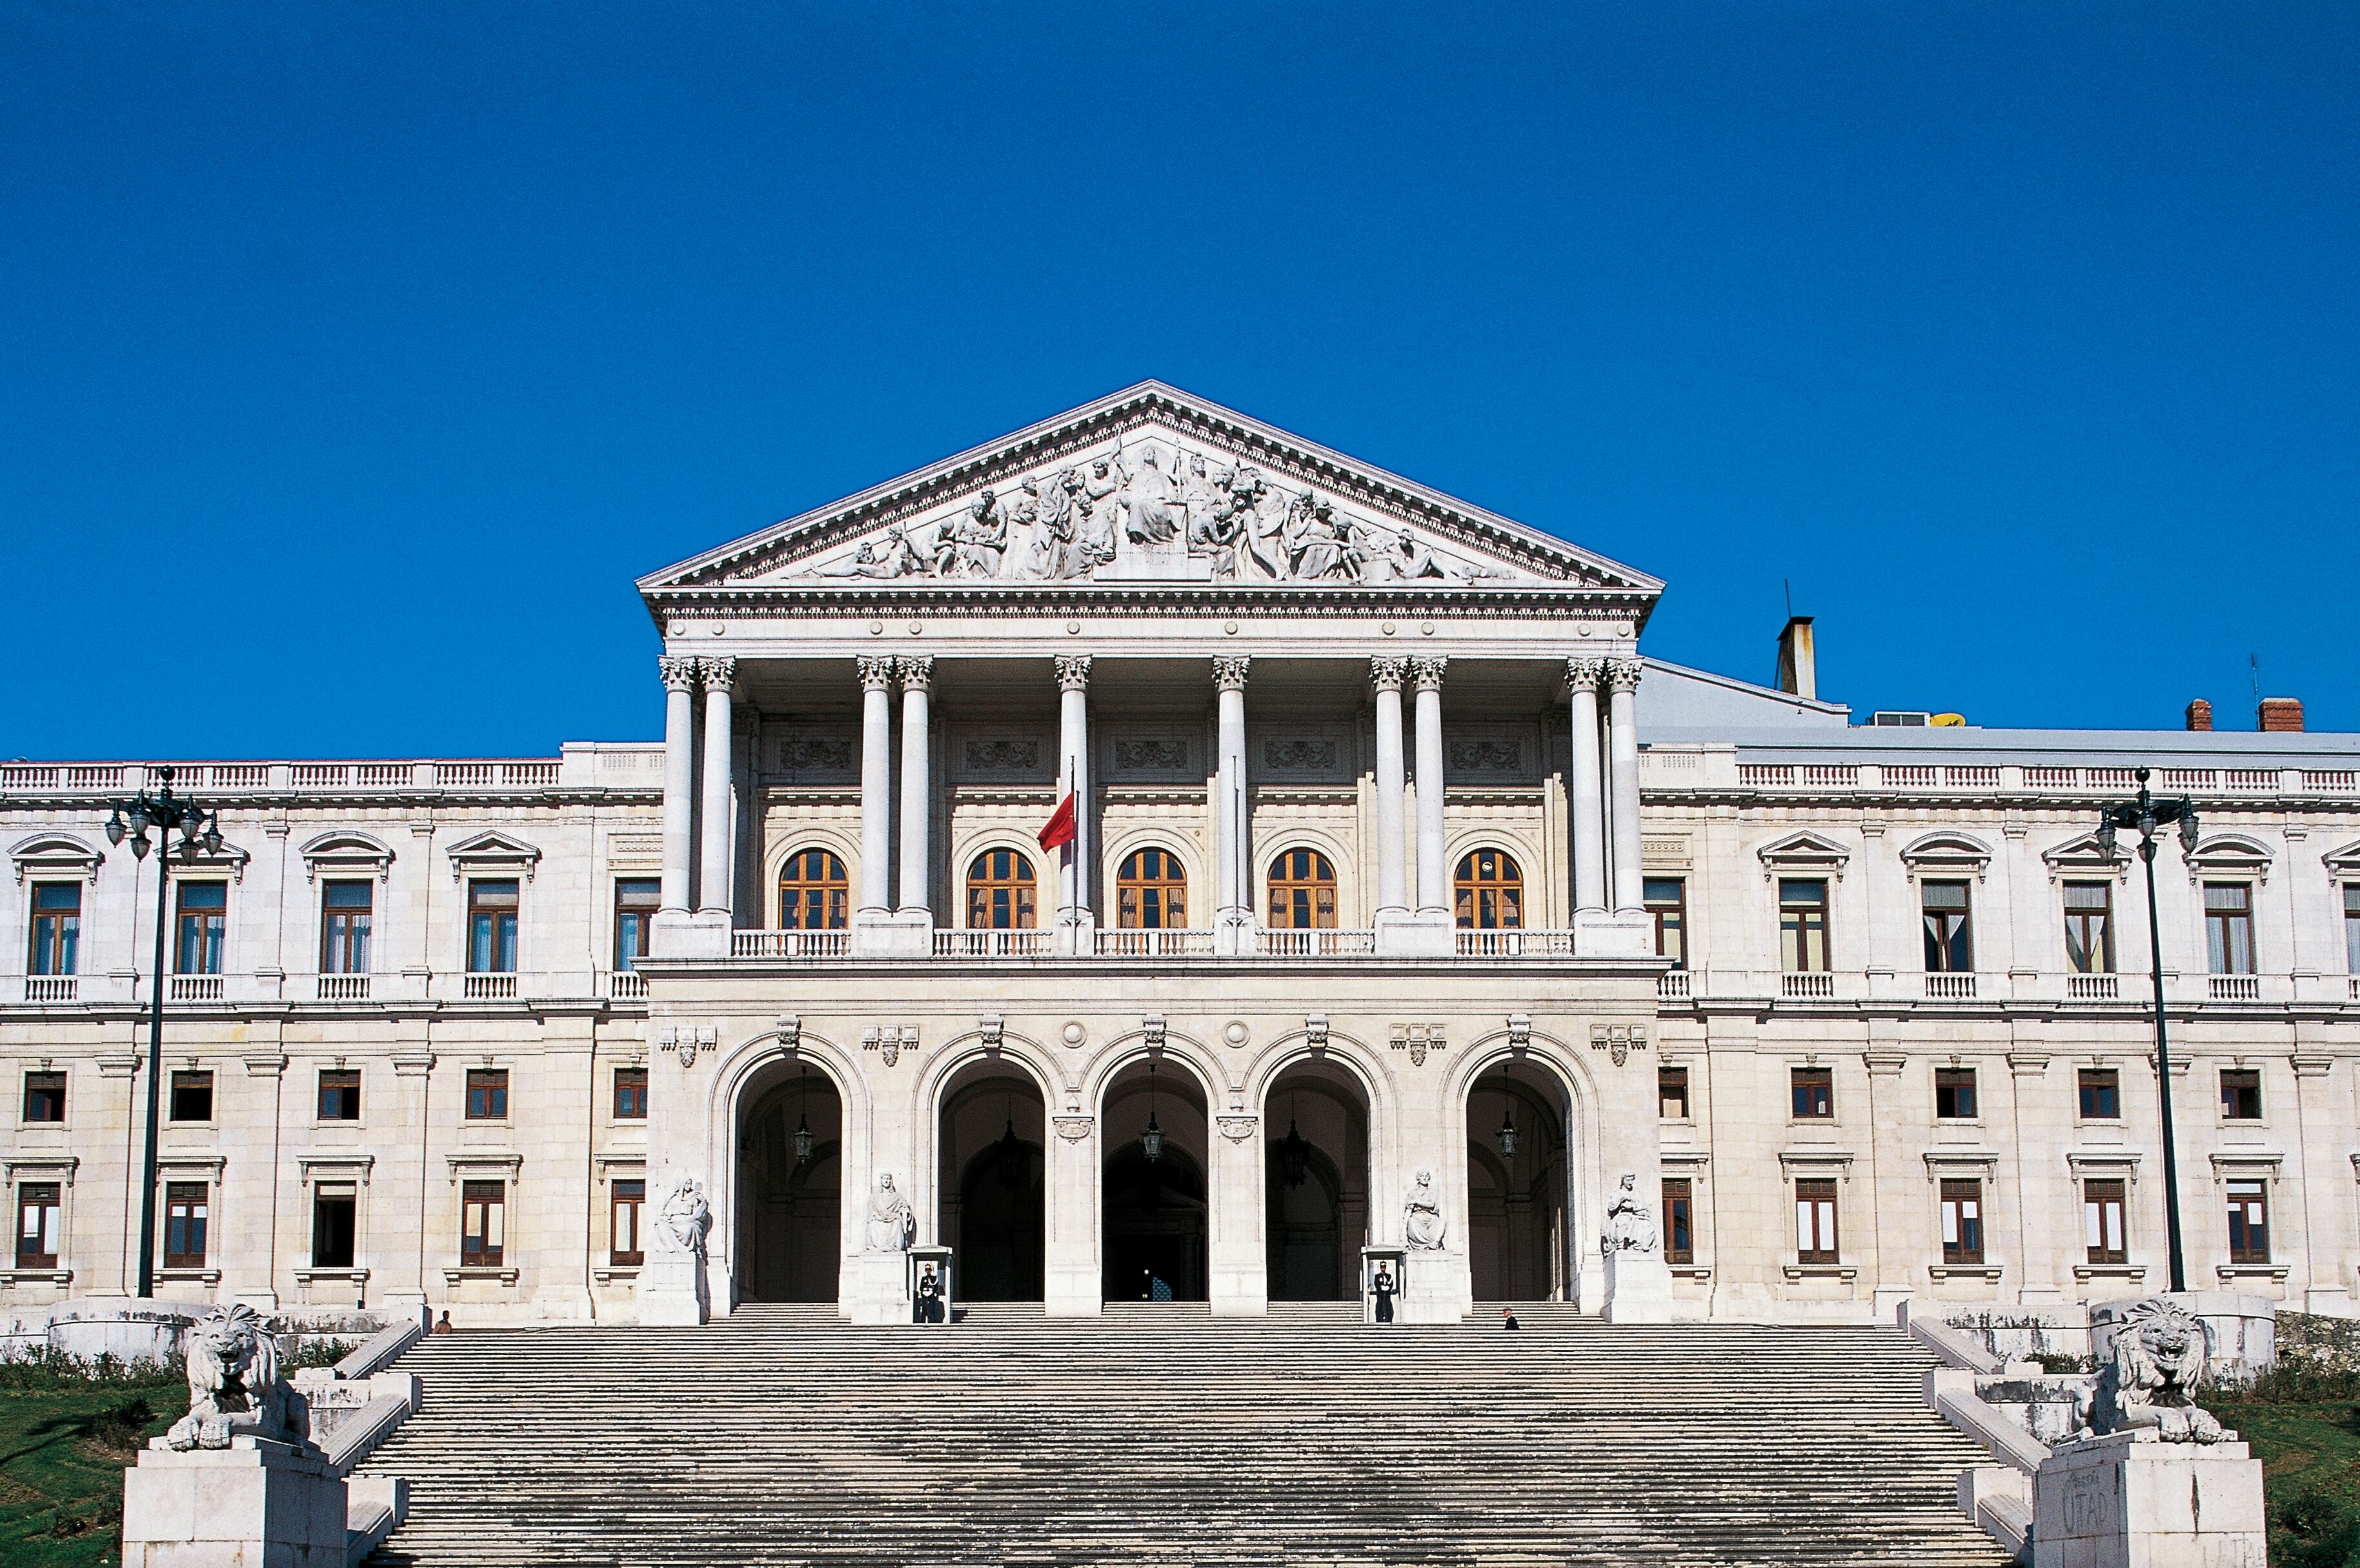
2079, 925
826, 890
2227, 930
630, 1094
1950, 934
1680, 1220
483, 1225
503, 935
348, 1080
635, 910
1670, 917
1953, 1079
54, 945
487, 1088
2090, 1081
1961, 1200
188, 1206
2351, 927
2102, 1196
1816, 1083
44, 1082
346, 930
626, 1213
35, 1197
1301, 881
992, 890
1488, 903
1150, 894
324, 1196
194, 1080
2249, 1221
1673, 1083
1795, 947
2237, 1083
199, 930
1816, 1236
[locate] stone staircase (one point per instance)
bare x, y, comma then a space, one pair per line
1161, 1435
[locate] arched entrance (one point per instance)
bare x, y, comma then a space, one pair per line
1153, 1184
790, 1186
1316, 1183
992, 1212
1519, 1185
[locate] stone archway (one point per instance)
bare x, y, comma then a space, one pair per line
790, 1186
1520, 1198
993, 1211
1152, 1186
1316, 1184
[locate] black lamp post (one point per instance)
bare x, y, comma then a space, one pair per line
200, 830
2147, 813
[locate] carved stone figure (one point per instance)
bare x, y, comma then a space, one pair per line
1148, 494
889, 555
1630, 1224
234, 1386
1265, 523
2159, 1358
686, 1219
893, 1226
1422, 1223
1411, 559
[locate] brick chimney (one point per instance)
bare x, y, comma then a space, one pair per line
2199, 713
2281, 715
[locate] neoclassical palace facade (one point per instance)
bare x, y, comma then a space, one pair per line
1406, 907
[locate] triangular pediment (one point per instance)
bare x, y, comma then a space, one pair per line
1151, 486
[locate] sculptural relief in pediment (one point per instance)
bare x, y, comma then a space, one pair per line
1152, 510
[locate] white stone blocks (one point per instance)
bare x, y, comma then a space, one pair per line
256, 1504
2121, 1502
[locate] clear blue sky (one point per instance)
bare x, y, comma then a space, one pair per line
353, 360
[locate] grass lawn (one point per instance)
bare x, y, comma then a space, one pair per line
63, 1444
2311, 1475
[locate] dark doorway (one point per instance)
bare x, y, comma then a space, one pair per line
789, 1188
992, 1207
1518, 1192
1315, 1184
1154, 1186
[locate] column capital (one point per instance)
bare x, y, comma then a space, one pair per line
876, 672
1623, 674
1229, 674
1073, 671
1385, 674
679, 674
916, 674
719, 674
1428, 672
1583, 674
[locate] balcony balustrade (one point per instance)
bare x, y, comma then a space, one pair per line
2234, 988
1951, 988
1674, 985
490, 988
2093, 987
344, 987
626, 985
50, 987
197, 988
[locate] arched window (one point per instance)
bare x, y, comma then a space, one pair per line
1302, 891
1151, 892
814, 893
1491, 892
999, 891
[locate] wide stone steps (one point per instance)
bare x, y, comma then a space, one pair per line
783, 1436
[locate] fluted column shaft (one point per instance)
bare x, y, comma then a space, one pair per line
680, 779
1433, 876
1588, 786
876, 786
1392, 805
1622, 742
1230, 779
713, 867
917, 676
1074, 778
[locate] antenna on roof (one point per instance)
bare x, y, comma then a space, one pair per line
1787, 584
2254, 670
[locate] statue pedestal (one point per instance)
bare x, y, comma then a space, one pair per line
1408, 933
673, 1291
257, 1501
1638, 1288
2121, 1502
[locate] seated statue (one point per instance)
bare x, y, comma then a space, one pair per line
233, 1385
1630, 1224
893, 1225
2149, 1386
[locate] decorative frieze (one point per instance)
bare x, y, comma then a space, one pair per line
1618, 1040
1418, 1040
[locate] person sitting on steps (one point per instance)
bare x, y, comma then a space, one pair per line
1508, 1318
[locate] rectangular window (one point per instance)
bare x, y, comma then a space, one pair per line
2101, 1098
1803, 925
45, 1096
1679, 1221
186, 1211
1815, 1219
335, 1211
2089, 927
637, 899
36, 1224
1949, 942
1672, 1093
491, 928
1954, 1093
483, 1224
629, 1198
57, 927
2241, 1095
1814, 1093
1962, 1222
339, 1093
2229, 927
2249, 1221
193, 1096
487, 1093
2102, 1221
1668, 905
2351, 927
204, 918
344, 911
630, 1094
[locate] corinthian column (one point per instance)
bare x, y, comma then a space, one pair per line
680, 779
1392, 870
1586, 786
1433, 877
1074, 906
917, 796
1230, 809
712, 870
1623, 742
876, 786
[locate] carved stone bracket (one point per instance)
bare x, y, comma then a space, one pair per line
791, 1031
1153, 1029
1520, 1031
889, 1041
1315, 1030
686, 1041
1618, 1040
993, 1029
1072, 1129
1237, 1129
1417, 1039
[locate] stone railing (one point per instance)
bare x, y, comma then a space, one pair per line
2047, 987
633, 768
1717, 770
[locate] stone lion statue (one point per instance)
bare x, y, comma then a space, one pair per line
234, 1386
2159, 1358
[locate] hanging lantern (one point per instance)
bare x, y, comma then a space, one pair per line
804, 1139
1508, 1136
1009, 1162
1151, 1142
1294, 1157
